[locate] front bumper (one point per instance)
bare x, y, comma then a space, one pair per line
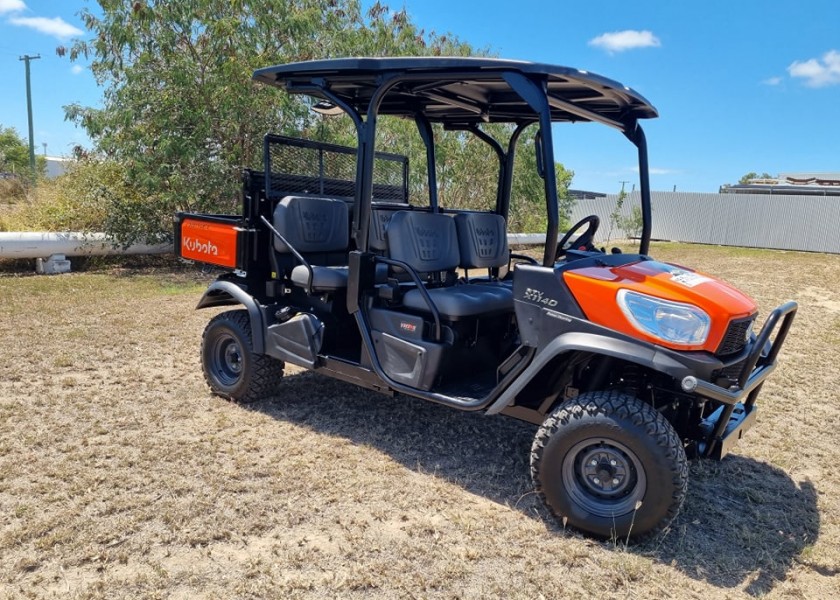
725, 426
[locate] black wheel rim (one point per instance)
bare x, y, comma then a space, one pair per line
604, 477
227, 360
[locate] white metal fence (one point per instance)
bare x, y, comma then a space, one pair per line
753, 220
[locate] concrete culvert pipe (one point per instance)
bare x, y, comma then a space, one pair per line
55, 247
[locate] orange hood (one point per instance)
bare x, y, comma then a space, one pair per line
595, 289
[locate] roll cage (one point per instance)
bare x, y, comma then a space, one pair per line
462, 94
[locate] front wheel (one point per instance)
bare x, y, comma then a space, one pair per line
231, 367
610, 465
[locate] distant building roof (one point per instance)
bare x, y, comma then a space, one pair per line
57, 165
804, 184
584, 195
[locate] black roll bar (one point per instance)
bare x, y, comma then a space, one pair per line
636, 134
537, 98
428, 137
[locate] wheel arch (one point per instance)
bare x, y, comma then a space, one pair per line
227, 293
558, 351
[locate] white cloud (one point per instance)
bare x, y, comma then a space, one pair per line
76, 69
56, 26
659, 171
772, 81
818, 72
656, 171
619, 41
11, 6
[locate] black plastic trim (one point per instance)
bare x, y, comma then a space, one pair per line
641, 353
224, 293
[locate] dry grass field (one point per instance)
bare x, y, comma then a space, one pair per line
121, 477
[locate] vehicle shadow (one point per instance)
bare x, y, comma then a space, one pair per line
743, 522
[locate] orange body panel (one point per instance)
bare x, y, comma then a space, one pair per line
207, 242
595, 289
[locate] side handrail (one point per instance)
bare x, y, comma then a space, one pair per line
420, 286
294, 252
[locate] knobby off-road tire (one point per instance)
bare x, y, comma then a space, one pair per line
610, 465
231, 367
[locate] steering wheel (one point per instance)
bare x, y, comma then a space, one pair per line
584, 241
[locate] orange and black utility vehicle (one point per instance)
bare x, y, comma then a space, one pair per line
626, 365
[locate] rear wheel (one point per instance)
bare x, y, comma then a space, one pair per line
610, 465
231, 368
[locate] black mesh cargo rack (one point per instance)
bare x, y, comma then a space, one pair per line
294, 166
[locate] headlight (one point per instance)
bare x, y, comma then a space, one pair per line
672, 322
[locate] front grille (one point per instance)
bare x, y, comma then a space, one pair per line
736, 336
732, 372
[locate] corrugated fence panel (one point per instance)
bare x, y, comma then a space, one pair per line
822, 216
685, 227
750, 222
753, 220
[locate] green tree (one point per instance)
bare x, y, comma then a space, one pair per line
14, 166
615, 215
632, 225
14, 151
753, 175
180, 115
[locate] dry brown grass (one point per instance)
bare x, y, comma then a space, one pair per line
121, 477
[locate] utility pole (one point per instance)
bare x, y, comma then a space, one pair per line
623, 183
26, 59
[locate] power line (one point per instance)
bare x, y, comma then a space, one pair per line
26, 58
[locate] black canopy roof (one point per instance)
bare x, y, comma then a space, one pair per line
463, 91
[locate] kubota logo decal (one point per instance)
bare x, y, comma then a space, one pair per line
200, 246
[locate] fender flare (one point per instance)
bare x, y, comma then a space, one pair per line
226, 293
641, 353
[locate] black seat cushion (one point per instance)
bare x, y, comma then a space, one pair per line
461, 301
328, 279
324, 279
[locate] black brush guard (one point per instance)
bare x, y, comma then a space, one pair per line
725, 426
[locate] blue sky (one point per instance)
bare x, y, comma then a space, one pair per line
741, 86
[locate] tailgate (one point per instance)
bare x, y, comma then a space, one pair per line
219, 240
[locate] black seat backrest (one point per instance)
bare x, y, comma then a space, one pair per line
427, 242
312, 224
482, 240
379, 219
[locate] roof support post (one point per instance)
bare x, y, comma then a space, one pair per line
428, 137
536, 97
637, 135
507, 182
364, 164
500, 154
